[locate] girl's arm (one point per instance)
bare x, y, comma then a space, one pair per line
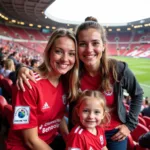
33, 141
23, 75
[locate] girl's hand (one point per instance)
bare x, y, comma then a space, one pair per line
23, 75
122, 133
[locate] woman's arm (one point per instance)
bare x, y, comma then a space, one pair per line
64, 129
33, 141
23, 75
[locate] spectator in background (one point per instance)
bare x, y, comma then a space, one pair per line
15, 57
8, 67
144, 140
34, 64
146, 110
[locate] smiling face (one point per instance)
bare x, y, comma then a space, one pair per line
90, 112
62, 55
90, 47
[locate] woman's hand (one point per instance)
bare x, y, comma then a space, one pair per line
23, 75
122, 133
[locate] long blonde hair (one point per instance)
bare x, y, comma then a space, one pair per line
70, 79
9, 65
82, 97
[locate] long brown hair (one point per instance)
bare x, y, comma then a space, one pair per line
107, 66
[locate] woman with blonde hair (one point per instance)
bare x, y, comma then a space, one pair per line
9, 67
38, 112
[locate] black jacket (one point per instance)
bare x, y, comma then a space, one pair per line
128, 81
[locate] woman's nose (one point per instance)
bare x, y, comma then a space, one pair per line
64, 57
89, 47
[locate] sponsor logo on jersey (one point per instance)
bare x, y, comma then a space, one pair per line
21, 115
101, 139
48, 126
45, 106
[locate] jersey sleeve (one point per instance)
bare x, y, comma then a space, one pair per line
75, 142
24, 108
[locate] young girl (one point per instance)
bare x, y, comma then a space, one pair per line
89, 115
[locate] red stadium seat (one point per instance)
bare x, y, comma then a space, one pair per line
140, 129
1, 77
3, 102
147, 120
142, 121
8, 113
7, 89
131, 144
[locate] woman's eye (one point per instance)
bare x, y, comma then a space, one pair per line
82, 44
58, 51
96, 43
72, 54
85, 110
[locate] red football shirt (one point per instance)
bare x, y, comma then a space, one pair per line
43, 106
81, 139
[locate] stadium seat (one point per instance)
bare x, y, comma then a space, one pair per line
147, 120
131, 144
8, 113
3, 102
142, 121
140, 129
7, 90
1, 77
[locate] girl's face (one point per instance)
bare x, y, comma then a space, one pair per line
90, 113
90, 47
62, 55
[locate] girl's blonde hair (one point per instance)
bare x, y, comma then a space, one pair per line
70, 79
9, 65
92, 94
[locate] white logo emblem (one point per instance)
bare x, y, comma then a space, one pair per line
21, 115
45, 106
101, 140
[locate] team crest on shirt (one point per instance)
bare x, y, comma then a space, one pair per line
64, 99
101, 140
21, 115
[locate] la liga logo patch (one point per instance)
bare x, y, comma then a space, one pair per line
21, 115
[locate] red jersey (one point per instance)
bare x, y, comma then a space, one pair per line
43, 107
92, 83
81, 139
